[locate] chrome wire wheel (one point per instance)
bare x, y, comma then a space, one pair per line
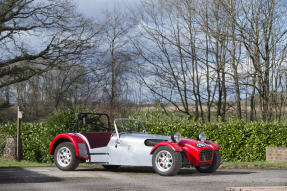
164, 160
64, 156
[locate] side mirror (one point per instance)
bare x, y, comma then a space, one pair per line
117, 142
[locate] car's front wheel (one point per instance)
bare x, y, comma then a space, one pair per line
213, 166
65, 157
166, 161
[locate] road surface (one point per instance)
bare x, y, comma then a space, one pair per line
133, 178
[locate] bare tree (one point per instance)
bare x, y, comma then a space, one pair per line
38, 35
262, 33
161, 46
117, 57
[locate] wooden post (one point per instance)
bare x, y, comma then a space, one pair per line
19, 119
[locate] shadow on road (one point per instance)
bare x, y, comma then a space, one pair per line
193, 172
121, 169
24, 175
182, 172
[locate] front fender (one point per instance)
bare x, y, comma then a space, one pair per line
172, 145
81, 147
213, 145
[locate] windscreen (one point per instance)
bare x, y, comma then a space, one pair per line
130, 126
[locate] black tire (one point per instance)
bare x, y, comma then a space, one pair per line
65, 157
111, 167
171, 164
213, 166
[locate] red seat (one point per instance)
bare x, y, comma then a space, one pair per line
97, 139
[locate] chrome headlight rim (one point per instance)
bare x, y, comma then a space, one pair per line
201, 137
176, 137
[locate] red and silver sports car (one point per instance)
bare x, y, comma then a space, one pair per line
129, 144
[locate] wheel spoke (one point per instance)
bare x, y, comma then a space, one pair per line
64, 156
164, 160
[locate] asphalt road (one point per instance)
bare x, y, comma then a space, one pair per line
131, 178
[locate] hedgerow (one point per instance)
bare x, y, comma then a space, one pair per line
240, 141
36, 137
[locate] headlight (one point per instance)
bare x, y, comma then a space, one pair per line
176, 137
201, 137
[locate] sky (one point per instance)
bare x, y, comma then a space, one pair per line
95, 8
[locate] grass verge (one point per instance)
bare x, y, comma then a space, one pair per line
254, 165
23, 164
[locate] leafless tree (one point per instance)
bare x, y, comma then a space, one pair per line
38, 35
262, 32
117, 57
166, 45
195, 53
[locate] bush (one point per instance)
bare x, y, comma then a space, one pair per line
6, 130
36, 137
240, 141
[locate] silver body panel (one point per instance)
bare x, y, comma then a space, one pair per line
99, 155
126, 149
131, 150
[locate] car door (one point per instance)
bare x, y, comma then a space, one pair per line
129, 149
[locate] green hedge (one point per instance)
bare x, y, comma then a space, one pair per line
36, 137
240, 141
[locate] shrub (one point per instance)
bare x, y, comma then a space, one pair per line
6, 130
240, 141
36, 137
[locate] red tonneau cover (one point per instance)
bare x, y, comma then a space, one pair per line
97, 139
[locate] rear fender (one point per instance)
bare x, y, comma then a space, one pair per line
81, 147
172, 145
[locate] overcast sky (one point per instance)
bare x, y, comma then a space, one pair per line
95, 8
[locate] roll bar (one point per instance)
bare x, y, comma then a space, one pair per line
84, 116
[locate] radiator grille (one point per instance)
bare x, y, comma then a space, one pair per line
205, 155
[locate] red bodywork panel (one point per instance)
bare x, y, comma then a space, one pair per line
214, 145
191, 149
172, 145
70, 137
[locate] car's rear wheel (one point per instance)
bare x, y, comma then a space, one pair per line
111, 167
213, 166
65, 157
166, 161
